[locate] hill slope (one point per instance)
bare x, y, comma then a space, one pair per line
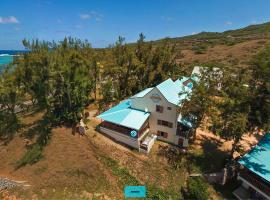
232, 48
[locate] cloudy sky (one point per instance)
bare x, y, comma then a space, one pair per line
102, 21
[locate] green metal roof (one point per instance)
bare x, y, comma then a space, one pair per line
123, 115
258, 159
175, 92
142, 93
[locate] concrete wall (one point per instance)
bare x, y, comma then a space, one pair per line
121, 137
146, 103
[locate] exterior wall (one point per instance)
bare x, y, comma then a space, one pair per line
185, 140
121, 137
146, 103
247, 184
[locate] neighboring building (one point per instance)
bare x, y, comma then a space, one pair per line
255, 172
150, 114
215, 73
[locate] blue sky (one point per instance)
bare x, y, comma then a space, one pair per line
102, 21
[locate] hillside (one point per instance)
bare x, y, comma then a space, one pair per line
232, 48
95, 167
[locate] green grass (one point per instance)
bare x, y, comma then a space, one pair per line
125, 178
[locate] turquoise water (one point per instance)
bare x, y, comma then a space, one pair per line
4, 60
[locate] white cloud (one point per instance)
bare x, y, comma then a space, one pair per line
228, 23
194, 33
91, 15
9, 20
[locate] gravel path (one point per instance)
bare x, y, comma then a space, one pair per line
8, 184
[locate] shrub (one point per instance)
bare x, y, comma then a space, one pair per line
199, 49
197, 189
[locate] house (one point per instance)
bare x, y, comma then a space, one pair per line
255, 172
149, 115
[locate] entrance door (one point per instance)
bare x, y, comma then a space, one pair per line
180, 142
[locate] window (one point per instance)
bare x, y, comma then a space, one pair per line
165, 123
162, 134
169, 108
159, 108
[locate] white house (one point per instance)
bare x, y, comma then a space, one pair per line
150, 114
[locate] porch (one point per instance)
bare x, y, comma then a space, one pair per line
125, 130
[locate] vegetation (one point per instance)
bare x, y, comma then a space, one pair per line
196, 189
61, 79
260, 86
125, 178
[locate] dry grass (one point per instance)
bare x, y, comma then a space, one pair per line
237, 55
72, 166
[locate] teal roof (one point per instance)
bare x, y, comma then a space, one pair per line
142, 93
123, 115
258, 159
171, 90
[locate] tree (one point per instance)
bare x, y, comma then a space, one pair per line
260, 85
231, 121
201, 101
60, 77
10, 97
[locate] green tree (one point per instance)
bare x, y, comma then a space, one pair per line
260, 86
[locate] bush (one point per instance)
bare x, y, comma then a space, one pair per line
199, 49
157, 193
197, 189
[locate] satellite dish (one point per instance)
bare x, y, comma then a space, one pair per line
146, 110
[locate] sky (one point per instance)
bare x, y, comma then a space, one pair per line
102, 21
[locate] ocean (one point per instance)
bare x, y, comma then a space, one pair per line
6, 56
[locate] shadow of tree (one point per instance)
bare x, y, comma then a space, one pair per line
9, 125
42, 130
173, 154
210, 159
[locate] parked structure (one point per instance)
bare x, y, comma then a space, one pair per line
255, 172
150, 114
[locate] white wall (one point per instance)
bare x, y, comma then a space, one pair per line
143, 103
121, 137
